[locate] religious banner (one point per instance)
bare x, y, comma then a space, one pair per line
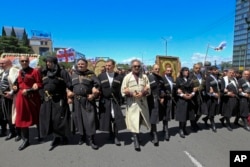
169, 61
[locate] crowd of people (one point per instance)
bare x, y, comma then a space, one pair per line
61, 103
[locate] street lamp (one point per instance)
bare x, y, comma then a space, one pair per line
166, 43
206, 54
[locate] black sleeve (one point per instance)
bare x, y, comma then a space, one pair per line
67, 79
96, 81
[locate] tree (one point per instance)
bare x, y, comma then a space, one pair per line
13, 34
225, 65
24, 44
149, 67
123, 66
25, 39
3, 32
8, 44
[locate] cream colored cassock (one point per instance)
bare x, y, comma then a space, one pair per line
13, 74
135, 107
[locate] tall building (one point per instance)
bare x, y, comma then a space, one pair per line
241, 51
41, 42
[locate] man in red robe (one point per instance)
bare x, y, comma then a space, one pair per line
28, 99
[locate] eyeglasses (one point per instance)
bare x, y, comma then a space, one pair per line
22, 61
135, 66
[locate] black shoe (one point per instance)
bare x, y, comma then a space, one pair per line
10, 136
94, 146
166, 136
247, 128
92, 143
181, 133
214, 128
81, 140
136, 143
55, 142
229, 128
222, 122
117, 141
23, 145
18, 138
155, 140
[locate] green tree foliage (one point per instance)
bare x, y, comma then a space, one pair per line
3, 32
25, 39
13, 34
123, 66
24, 44
226, 65
10, 44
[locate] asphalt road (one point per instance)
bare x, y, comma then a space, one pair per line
204, 148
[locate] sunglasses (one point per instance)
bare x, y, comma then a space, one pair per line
22, 61
137, 66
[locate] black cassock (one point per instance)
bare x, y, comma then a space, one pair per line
156, 110
244, 101
229, 104
200, 98
184, 108
85, 110
54, 111
169, 99
213, 104
110, 98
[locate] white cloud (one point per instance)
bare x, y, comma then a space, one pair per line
200, 57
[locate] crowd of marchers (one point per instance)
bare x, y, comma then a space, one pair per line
60, 103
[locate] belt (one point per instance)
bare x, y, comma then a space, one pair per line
78, 97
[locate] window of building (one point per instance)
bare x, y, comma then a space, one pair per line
46, 43
41, 42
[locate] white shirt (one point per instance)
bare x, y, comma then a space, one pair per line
111, 78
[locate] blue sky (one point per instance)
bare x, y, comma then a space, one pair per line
127, 29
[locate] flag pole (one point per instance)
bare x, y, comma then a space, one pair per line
206, 54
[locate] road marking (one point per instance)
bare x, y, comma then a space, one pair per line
195, 162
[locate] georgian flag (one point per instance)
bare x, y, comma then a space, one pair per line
66, 55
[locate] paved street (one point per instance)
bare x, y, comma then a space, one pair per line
204, 148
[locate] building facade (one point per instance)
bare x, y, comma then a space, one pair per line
41, 42
241, 51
